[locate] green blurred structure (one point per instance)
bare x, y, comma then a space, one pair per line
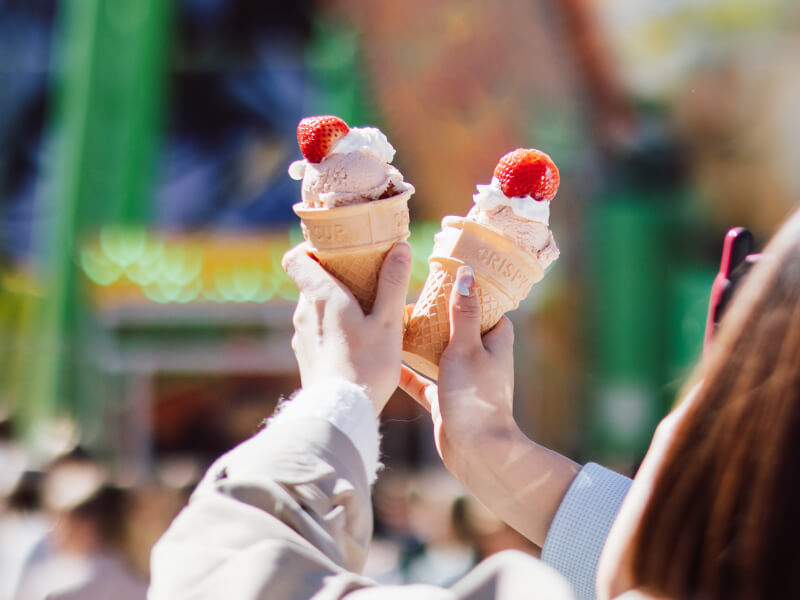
646, 307
626, 306
333, 60
109, 60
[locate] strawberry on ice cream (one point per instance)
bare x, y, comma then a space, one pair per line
344, 165
516, 204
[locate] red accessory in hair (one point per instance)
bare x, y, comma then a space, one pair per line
734, 265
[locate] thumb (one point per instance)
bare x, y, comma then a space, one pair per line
390, 300
307, 274
465, 313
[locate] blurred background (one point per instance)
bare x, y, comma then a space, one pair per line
145, 205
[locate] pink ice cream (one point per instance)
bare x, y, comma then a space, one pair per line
521, 219
356, 170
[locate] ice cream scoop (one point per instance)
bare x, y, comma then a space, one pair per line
343, 179
344, 165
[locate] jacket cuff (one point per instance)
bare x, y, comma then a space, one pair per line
580, 528
344, 405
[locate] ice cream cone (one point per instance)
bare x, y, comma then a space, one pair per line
504, 274
351, 241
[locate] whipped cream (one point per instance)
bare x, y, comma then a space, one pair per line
297, 169
491, 196
369, 140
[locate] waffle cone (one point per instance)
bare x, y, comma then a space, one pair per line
504, 274
351, 241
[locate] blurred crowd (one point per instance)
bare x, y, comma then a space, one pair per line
64, 528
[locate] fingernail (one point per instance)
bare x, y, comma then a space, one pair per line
465, 279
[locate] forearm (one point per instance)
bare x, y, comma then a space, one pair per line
522, 482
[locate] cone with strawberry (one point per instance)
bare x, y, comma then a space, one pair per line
355, 204
506, 240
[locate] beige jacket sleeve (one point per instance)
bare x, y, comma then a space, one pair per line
287, 515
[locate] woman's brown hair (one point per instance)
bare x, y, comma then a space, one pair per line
723, 519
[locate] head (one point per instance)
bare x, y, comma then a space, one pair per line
713, 512
87, 508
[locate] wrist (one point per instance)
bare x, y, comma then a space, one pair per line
502, 458
376, 389
484, 448
379, 399
378, 384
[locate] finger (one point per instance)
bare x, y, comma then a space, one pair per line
417, 386
308, 275
465, 313
499, 340
393, 283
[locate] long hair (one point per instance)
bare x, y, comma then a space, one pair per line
723, 519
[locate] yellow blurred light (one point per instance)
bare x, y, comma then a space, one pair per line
147, 268
211, 295
190, 292
123, 245
163, 291
247, 281
98, 267
220, 269
265, 294
170, 291
153, 292
20, 282
181, 264
287, 290
268, 287
283, 286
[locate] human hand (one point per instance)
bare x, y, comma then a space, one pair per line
335, 339
472, 405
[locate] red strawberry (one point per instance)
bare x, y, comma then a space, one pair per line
316, 136
527, 172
